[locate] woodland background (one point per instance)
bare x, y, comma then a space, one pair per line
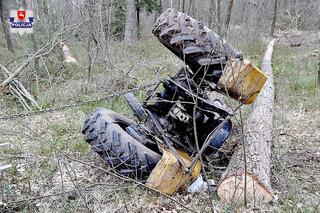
113, 44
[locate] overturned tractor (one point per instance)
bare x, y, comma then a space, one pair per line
181, 121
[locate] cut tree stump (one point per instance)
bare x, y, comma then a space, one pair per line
68, 58
247, 177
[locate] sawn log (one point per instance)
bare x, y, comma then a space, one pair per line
247, 177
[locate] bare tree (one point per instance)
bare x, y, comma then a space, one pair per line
4, 25
190, 8
228, 15
131, 29
178, 5
319, 74
219, 15
274, 19
35, 48
104, 18
157, 13
319, 15
211, 12
183, 5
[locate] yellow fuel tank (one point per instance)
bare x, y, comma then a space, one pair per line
168, 176
242, 80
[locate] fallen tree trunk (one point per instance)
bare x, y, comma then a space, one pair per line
247, 178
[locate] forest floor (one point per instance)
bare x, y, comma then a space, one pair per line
55, 170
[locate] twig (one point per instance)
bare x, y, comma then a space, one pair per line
46, 49
291, 43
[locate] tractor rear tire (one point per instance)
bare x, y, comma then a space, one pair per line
105, 131
198, 46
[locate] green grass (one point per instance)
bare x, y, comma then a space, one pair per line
304, 83
296, 74
81, 146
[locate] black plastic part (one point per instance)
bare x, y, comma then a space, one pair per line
135, 106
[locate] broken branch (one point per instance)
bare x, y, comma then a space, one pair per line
46, 49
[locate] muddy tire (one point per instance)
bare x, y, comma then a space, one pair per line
193, 42
106, 132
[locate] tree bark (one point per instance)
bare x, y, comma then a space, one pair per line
211, 13
274, 18
35, 48
138, 21
189, 7
219, 16
104, 19
243, 13
318, 14
319, 74
4, 24
247, 177
228, 15
156, 14
131, 29
183, 5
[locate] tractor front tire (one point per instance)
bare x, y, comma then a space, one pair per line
106, 132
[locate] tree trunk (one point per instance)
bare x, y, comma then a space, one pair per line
4, 24
34, 43
45, 7
319, 15
274, 19
219, 16
189, 7
243, 13
138, 21
156, 13
131, 28
319, 74
35, 48
228, 15
89, 59
24, 4
183, 5
104, 19
247, 177
211, 13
